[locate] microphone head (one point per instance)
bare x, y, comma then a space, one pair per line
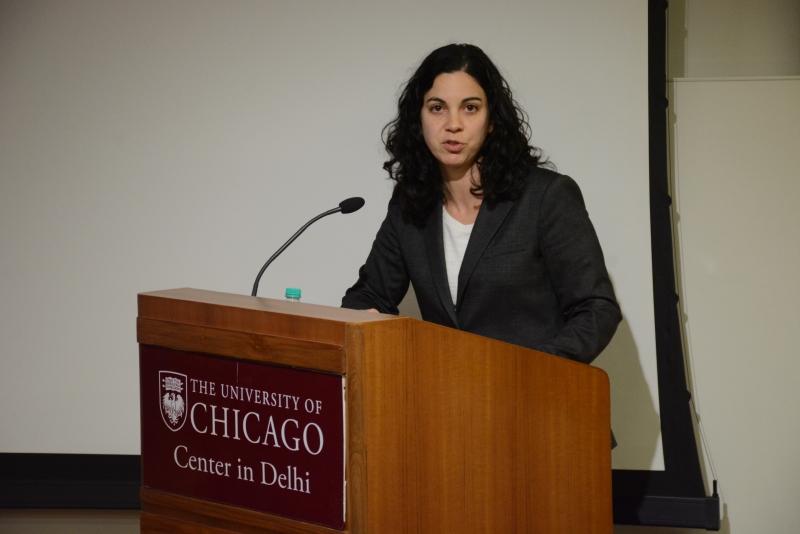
349, 205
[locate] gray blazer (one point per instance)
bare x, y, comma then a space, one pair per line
533, 273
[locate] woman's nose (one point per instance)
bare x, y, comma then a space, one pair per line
453, 123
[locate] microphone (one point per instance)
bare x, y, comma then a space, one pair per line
348, 205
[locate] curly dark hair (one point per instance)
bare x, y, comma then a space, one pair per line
504, 159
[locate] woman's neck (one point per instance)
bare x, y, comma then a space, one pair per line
460, 202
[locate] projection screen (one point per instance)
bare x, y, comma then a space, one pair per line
151, 145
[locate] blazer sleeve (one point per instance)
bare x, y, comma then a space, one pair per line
383, 280
577, 271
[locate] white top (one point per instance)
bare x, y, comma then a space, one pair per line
455, 236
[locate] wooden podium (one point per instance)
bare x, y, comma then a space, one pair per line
442, 430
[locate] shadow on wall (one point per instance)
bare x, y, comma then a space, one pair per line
634, 417
676, 39
409, 307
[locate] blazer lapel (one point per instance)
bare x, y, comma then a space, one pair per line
434, 247
486, 226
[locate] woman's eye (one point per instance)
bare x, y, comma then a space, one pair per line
436, 108
472, 108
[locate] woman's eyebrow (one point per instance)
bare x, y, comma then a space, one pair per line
437, 99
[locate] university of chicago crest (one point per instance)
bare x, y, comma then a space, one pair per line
173, 399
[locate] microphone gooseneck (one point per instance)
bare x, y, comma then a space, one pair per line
346, 206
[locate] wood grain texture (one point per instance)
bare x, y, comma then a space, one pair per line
378, 415
446, 431
355, 447
167, 512
467, 434
322, 324
161, 524
243, 345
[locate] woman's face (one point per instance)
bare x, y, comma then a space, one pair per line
455, 121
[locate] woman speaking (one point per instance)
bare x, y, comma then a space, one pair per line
493, 241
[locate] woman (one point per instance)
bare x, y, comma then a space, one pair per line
493, 242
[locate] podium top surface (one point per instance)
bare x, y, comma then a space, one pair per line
246, 302
205, 315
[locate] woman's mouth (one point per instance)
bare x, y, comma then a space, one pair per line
454, 147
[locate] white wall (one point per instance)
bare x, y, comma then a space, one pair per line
738, 191
148, 145
736, 155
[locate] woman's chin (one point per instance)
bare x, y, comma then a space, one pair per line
453, 162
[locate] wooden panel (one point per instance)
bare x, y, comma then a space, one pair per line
381, 500
166, 512
467, 434
356, 461
447, 431
295, 320
511, 432
246, 302
159, 524
243, 345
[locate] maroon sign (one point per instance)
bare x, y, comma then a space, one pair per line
253, 435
